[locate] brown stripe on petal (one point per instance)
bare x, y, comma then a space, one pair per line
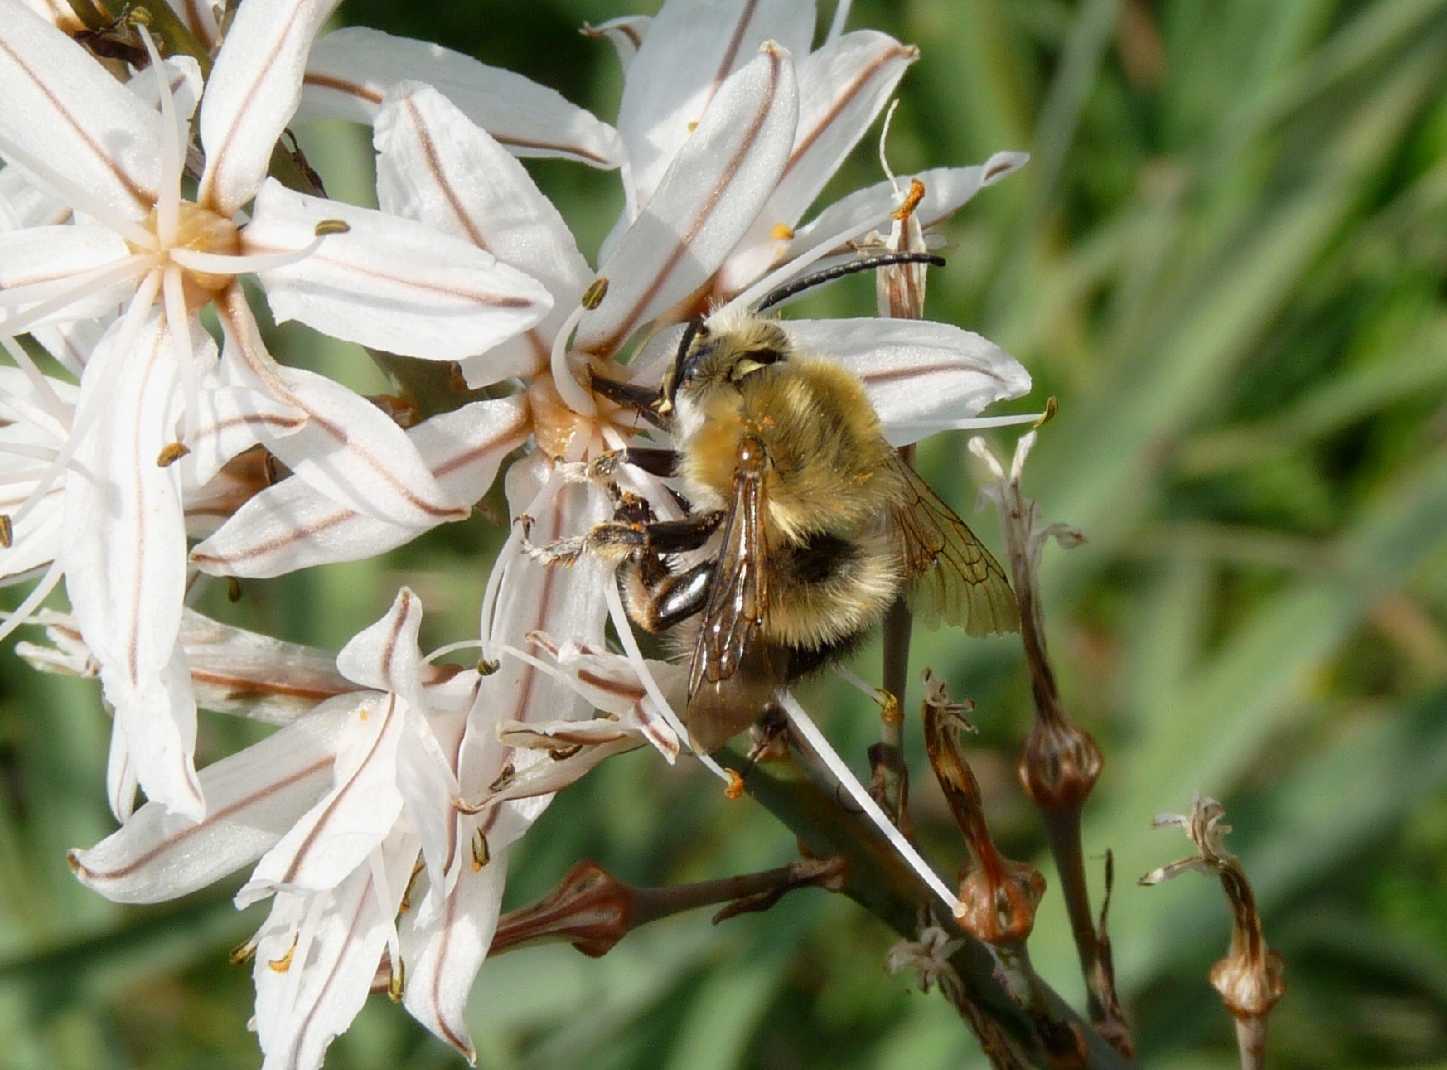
363, 898
917, 371
509, 436
342, 85
268, 546
185, 833
439, 178
998, 169
250, 420
217, 163
137, 542
514, 142
239, 688
706, 209
845, 97
311, 837
145, 198
731, 52
612, 687
389, 649
448, 1033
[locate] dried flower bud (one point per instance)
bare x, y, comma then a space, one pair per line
998, 896
1250, 977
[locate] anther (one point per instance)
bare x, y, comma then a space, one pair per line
331, 226
480, 853
242, 953
171, 453
910, 202
594, 294
734, 789
1051, 406
396, 981
7, 532
283, 964
782, 232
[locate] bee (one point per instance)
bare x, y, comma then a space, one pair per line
811, 524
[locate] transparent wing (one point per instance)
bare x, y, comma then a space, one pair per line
736, 600
956, 580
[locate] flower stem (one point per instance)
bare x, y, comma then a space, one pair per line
811, 803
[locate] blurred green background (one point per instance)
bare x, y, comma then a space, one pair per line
1227, 262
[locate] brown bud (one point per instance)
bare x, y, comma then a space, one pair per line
1060, 764
590, 909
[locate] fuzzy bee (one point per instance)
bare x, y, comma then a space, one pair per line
811, 523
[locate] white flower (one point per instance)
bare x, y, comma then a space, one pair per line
388, 282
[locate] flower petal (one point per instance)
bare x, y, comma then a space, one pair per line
443, 952
349, 449
252, 798
251, 675
311, 984
64, 108
389, 283
705, 202
384, 656
842, 87
252, 94
290, 526
335, 836
125, 557
200, 19
352, 69
24, 203
183, 79
916, 370
946, 190
624, 34
692, 48
437, 167
44, 262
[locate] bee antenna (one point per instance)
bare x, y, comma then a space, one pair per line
692, 331
818, 278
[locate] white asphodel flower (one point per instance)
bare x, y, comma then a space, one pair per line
380, 280
335, 809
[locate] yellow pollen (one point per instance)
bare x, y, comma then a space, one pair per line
734, 789
782, 232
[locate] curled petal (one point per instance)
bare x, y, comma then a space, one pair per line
437, 167
444, 951
705, 202
352, 69
252, 93
61, 105
390, 283
290, 526
624, 34
385, 656
947, 190
691, 50
335, 836
252, 798
916, 371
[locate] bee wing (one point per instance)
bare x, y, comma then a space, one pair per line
956, 579
739, 592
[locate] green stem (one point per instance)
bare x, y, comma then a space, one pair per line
807, 799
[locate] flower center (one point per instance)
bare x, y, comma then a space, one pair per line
200, 230
562, 433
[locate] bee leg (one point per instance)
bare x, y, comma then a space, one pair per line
651, 459
611, 540
657, 602
641, 399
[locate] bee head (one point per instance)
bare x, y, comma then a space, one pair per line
718, 354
